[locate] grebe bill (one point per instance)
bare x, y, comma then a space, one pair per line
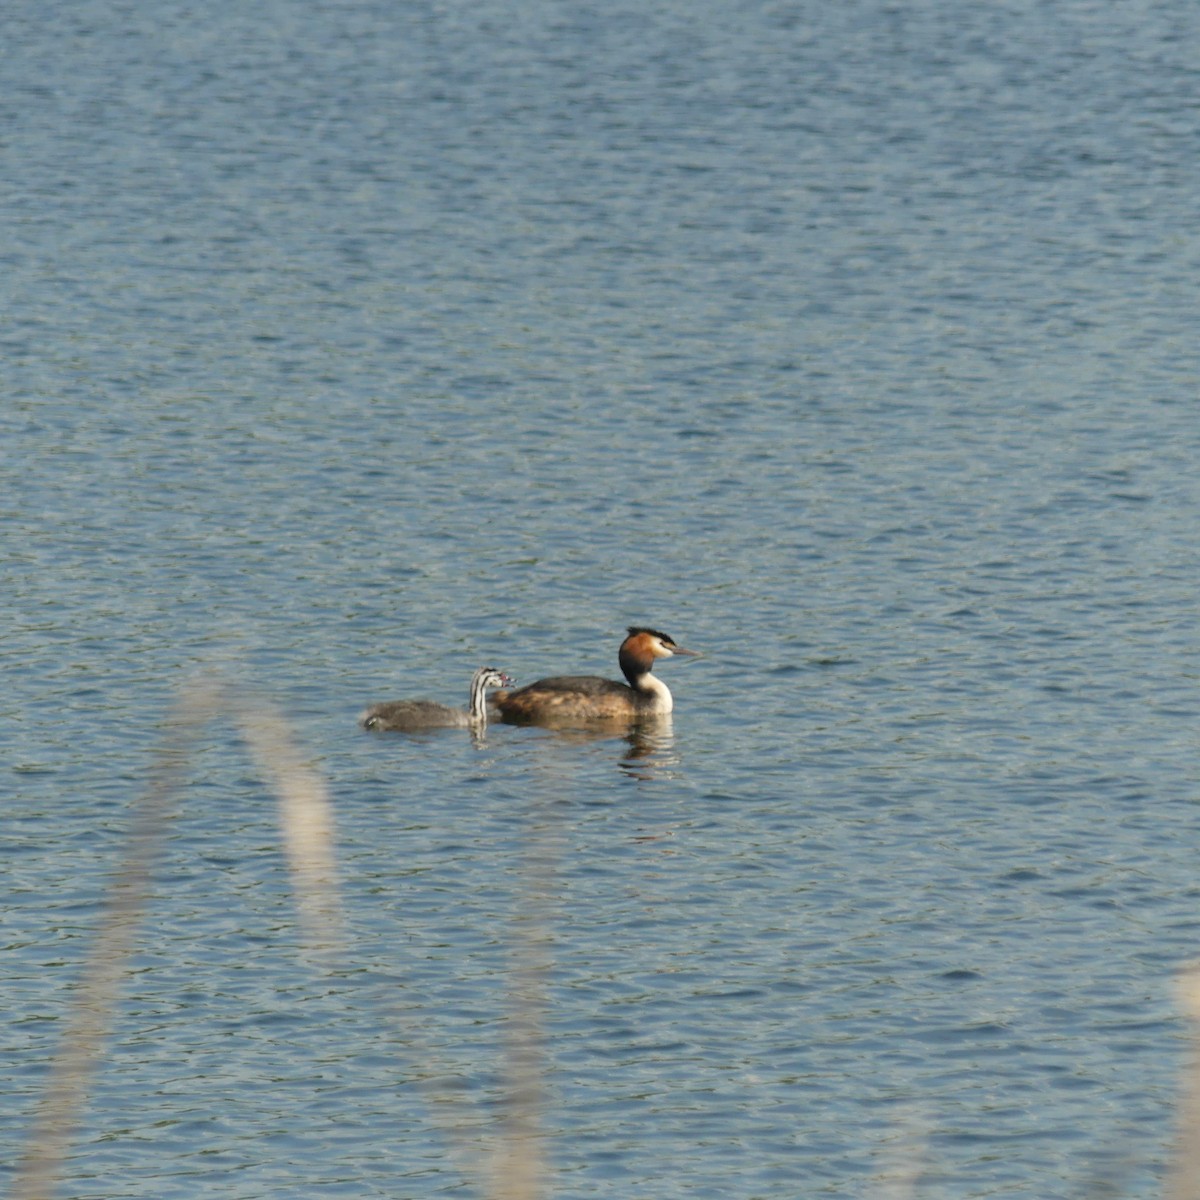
409, 715
566, 699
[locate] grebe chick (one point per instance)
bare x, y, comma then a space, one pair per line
407, 716
579, 699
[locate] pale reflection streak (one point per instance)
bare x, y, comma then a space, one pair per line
306, 824
517, 1167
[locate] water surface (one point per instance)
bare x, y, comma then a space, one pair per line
356, 346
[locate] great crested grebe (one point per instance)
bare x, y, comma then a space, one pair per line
410, 715
564, 699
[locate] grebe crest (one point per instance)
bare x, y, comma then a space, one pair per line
581, 699
407, 716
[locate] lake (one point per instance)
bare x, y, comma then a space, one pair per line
350, 347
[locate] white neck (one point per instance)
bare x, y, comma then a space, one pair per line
657, 692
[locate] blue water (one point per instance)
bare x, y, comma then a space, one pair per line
349, 347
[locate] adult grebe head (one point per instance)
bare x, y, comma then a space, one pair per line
641, 647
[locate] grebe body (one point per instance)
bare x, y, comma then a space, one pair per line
408, 716
581, 699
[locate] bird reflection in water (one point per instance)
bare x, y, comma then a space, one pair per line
647, 747
651, 754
